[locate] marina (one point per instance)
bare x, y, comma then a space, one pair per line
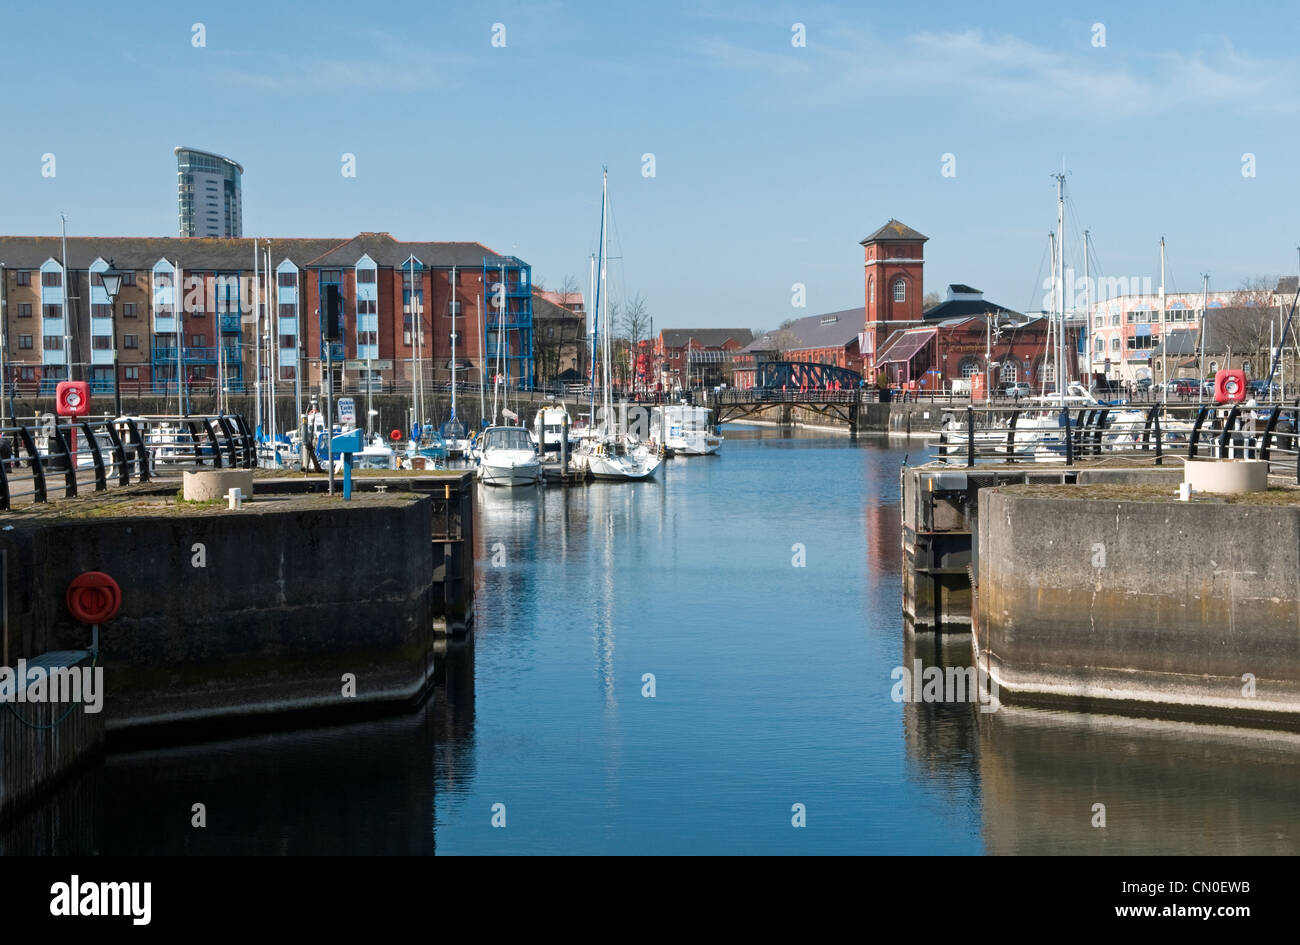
548, 432
820, 728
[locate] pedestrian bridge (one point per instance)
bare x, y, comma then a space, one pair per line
834, 393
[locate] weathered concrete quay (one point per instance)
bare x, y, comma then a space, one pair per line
297, 608
1098, 589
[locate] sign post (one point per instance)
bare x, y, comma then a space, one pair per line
347, 444
347, 412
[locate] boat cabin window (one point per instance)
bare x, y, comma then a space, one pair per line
507, 438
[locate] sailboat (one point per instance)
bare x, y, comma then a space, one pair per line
455, 434
609, 453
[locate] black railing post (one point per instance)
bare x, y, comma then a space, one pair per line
69, 467
119, 455
1228, 424
229, 430
1268, 432
970, 436
1196, 430
1159, 439
141, 451
212, 439
1069, 437
1011, 435
101, 481
39, 492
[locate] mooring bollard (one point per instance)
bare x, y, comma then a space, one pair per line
236, 498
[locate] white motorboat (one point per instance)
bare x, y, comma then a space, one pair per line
685, 430
549, 425
508, 457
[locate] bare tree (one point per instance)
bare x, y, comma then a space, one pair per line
568, 287
1241, 329
930, 301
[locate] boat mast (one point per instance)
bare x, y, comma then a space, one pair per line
604, 278
1051, 319
482, 361
272, 345
410, 308
1060, 263
453, 348
1205, 312
591, 336
257, 341
1087, 304
1164, 348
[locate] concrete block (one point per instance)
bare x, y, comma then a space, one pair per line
209, 484
1226, 476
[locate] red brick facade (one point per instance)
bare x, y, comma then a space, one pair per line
894, 283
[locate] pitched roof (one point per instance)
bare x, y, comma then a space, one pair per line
141, 252
388, 252
705, 337
964, 308
1181, 343
560, 298
894, 231
544, 309
828, 330
1286, 285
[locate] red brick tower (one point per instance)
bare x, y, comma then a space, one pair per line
894, 285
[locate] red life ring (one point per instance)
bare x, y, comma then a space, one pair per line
94, 597
395, 435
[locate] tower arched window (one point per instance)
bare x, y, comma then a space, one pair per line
900, 290
970, 366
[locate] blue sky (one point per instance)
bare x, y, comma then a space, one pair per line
772, 161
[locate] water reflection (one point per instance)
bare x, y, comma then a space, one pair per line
1168, 788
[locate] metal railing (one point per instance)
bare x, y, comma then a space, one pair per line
49, 459
1155, 434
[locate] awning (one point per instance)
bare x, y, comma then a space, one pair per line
905, 347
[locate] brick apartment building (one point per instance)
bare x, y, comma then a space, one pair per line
400, 301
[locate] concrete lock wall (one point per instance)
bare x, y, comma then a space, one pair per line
238, 613
1155, 607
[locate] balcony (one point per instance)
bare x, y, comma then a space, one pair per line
230, 323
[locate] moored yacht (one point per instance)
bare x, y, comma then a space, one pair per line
507, 457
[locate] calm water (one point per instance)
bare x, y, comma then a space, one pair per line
772, 689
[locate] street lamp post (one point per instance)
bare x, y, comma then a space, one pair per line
112, 281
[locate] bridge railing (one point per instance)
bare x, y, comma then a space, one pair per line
1155, 434
51, 458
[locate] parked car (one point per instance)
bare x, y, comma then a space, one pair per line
1261, 389
1184, 386
1142, 384
1016, 389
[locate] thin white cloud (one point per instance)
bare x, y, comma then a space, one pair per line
375, 61
846, 64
